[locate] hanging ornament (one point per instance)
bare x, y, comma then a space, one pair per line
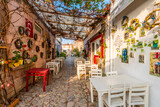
35, 37
18, 44
30, 43
21, 30
41, 54
34, 59
37, 49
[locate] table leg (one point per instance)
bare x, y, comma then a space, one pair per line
48, 78
44, 79
100, 104
33, 79
27, 78
91, 91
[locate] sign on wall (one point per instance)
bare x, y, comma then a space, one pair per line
29, 28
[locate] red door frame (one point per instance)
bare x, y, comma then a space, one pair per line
102, 50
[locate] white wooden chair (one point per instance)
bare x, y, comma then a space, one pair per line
113, 73
81, 69
79, 62
93, 67
95, 73
116, 96
51, 66
138, 95
87, 62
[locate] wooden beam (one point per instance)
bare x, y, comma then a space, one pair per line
67, 23
64, 14
74, 31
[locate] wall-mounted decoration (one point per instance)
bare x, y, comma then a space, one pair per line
29, 28
126, 36
141, 58
124, 55
25, 55
131, 55
140, 44
142, 32
38, 28
133, 40
35, 36
21, 30
42, 44
150, 20
134, 24
18, 44
41, 54
30, 43
124, 21
155, 63
35, 58
37, 49
155, 44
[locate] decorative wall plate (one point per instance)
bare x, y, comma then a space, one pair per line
21, 30
37, 49
18, 44
41, 54
30, 43
25, 55
35, 36
124, 21
42, 44
34, 59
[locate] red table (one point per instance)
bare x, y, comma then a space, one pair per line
37, 72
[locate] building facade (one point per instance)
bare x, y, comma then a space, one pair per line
133, 42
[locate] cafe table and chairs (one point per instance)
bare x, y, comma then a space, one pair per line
102, 85
137, 95
57, 65
93, 67
37, 72
51, 66
81, 70
116, 96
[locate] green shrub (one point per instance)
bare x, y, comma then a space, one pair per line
62, 54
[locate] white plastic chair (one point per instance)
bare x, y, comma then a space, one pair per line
93, 67
138, 95
113, 73
115, 97
51, 66
81, 69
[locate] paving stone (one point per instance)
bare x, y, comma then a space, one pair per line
64, 90
70, 104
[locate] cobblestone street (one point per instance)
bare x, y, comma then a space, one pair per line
65, 90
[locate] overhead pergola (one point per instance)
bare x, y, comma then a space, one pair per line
68, 23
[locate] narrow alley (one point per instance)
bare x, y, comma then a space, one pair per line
64, 90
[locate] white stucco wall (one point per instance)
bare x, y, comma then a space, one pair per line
134, 68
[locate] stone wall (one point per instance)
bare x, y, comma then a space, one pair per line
19, 12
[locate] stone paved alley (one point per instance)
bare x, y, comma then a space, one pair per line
65, 90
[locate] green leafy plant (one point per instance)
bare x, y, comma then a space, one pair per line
17, 56
131, 49
142, 50
145, 44
62, 54
135, 49
155, 36
149, 45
